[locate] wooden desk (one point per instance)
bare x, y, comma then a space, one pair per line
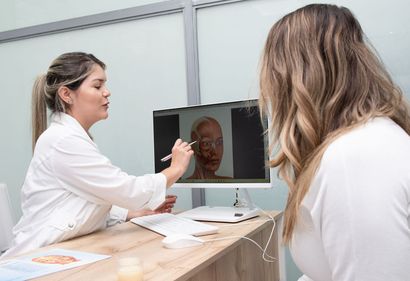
224, 260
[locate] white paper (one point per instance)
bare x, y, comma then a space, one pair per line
43, 263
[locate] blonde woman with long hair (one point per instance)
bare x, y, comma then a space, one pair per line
70, 187
341, 142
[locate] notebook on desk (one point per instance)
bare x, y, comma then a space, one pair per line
220, 214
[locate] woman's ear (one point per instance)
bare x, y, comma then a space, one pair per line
65, 94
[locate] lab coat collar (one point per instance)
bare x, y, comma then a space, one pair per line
69, 121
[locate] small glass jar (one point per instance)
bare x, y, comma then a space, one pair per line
130, 269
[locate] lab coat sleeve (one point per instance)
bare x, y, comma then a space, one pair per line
81, 168
116, 215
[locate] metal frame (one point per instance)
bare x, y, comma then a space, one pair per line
187, 7
194, 96
145, 11
208, 3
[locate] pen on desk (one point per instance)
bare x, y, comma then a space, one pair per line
166, 158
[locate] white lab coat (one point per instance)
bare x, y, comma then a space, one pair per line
70, 187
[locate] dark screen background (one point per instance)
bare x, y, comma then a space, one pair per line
166, 132
248, 144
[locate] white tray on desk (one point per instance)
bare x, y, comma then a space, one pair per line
220, 214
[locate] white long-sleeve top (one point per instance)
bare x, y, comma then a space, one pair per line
354, 222
70, 187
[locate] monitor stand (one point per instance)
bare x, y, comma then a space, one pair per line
242, 210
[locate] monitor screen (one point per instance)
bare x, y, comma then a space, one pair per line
230, 149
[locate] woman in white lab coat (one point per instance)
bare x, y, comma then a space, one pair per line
70, 186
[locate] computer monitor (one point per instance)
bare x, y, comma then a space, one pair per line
230, 151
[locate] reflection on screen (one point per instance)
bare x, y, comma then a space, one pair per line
230, 146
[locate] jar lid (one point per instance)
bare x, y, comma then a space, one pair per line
129, 261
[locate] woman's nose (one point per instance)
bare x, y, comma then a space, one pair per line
106, 93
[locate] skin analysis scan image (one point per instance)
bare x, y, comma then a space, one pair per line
229, 147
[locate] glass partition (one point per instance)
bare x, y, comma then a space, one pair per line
21, 13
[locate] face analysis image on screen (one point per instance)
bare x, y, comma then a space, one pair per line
208, 149
230, 145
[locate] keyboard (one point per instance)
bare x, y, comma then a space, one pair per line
168, 224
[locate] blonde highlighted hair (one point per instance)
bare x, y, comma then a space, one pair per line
319, 79
69, 70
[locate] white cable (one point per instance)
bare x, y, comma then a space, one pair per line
271, 233
265, 256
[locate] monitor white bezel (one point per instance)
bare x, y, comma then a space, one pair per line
265, 185
228, 185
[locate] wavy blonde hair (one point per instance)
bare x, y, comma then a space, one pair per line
319, 79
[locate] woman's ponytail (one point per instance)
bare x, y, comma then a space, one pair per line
38, 109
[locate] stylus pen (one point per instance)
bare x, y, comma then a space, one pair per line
166, 158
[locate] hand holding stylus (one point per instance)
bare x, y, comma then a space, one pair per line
166, 158
181, 154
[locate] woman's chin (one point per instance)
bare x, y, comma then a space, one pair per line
212, 168
104, 116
